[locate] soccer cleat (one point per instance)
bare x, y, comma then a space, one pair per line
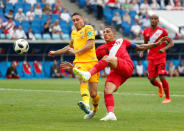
84, 107
160, 90
166, 100
83, 74
90, 115
109, 117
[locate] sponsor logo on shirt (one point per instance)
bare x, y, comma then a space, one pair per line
90, 34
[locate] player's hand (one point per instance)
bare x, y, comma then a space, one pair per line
66, 66
162, 40
161, 50
141, 54
71, 50
52, 53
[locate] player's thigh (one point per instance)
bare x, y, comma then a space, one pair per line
113, 61
152, 72
116, 79
161, 69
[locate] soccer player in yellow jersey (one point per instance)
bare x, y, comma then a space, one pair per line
82, 44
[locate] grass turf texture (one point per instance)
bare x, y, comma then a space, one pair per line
51, 105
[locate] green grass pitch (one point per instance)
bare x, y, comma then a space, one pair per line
51, 105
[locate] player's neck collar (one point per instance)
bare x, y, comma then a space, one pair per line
111, 42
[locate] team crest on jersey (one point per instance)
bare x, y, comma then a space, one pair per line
90, 33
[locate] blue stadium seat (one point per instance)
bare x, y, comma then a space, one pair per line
17, 6
26, 7
9, 6
55, 37
65, 37
38, 36
132, 14
175, 62
46, 37
82, 3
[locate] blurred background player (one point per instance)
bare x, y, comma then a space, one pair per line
157, 56
12, 71
115, 55
82, 44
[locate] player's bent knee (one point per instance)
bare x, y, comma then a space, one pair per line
93, 94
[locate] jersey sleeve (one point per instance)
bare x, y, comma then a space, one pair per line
128, 43
90, 32
165, 33
144, 36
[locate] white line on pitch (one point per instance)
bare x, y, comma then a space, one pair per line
59, 91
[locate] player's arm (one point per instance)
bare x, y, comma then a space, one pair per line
60, 51
168, 46
143, 47
141, 53
89, 45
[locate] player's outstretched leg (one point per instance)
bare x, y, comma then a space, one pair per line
83, 74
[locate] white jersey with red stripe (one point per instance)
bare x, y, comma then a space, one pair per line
117, 48
152, 36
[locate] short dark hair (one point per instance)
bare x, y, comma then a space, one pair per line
76, 13
112, 28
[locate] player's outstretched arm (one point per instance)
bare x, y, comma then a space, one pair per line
59, 52
143, 47
169, 45
87, 47
67, 66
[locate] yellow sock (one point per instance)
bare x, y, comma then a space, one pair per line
95, 102
84, 93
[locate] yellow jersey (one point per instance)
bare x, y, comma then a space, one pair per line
79, 40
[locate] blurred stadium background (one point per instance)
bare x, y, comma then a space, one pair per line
47, 25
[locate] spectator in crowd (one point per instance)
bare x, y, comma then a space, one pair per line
112, 4
125, 5
136, 31
32, 2
57, 10
47, 26
138, 18
127, 18
12, 1
144, 6
55, 70
30, 35
134, 6
105, 72
146, 21
179, 34
8, 26
9, 14
170, 6
100, 5
12, 72
90, 4
38, 10
30, 15
180, 69
1, 4
99, 33
1, 22
177, 5
59, 4
172, 70
47, 9
13, 35
56, 29
65, 16
20, 33
50, 2
139, 69
117, 21
20, 16
155, 5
